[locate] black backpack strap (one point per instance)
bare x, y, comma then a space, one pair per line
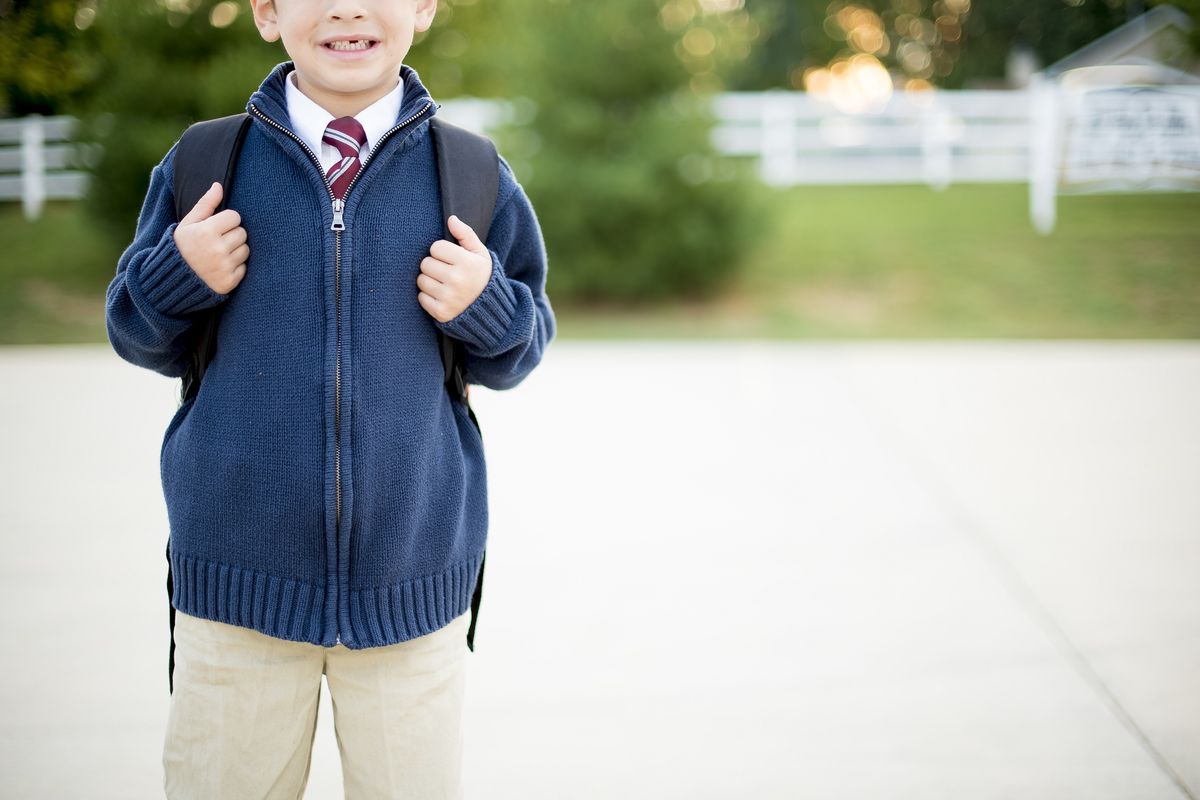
207, 153
468, 174
469, 180
171, 615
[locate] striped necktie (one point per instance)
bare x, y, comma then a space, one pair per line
348, 136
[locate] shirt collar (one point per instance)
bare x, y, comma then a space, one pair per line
310, 119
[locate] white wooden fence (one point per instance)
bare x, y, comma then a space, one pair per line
38, 160
935, 137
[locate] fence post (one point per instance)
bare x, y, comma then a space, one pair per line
936, 138
1043, 151
777, 166
33, 166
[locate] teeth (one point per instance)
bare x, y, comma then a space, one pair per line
361, 44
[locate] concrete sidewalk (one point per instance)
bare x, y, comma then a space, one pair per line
754, 570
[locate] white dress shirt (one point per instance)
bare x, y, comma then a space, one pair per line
309, 120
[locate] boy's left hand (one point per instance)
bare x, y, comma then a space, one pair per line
453, 275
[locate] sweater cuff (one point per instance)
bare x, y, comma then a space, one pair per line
484, 323
170, 284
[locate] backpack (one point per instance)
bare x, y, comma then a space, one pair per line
468, 178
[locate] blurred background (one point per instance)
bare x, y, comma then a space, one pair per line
871, 409
766, 168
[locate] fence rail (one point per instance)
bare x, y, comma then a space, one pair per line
930, 137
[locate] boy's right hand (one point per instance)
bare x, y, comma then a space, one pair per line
214, 245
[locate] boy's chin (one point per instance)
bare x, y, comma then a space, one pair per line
334, 73
347, 79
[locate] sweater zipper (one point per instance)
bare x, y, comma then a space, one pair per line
337, 227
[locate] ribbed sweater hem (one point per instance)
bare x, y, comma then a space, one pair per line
290, 609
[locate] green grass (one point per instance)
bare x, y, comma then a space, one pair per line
838, 262
906, 261
53, 274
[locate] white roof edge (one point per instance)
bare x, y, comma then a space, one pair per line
1163, 72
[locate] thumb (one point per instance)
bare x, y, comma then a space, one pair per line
465, 235
205, 206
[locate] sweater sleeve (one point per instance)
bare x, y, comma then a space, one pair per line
507, 327
151, 301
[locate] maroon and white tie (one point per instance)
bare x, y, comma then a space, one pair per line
347, 135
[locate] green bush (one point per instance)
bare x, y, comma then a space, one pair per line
634, 204
183, 68
44, 56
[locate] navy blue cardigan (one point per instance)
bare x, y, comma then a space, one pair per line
323, 486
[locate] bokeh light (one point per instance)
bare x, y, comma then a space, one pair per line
852, 85
223, 14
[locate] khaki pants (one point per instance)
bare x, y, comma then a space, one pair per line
244, 712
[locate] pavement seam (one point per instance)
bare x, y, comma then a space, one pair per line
895, 441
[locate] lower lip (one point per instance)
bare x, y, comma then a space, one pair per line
351, 55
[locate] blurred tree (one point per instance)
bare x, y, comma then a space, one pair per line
1051, 30
464, 51
635, 205
793, 38
948, 43
194, 59
44, 63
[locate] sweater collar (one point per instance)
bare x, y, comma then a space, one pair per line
310, 119
271, 96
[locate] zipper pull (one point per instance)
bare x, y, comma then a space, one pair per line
338, 225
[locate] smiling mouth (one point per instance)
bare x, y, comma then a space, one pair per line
351, 47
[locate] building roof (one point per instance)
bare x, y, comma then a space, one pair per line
1119, 45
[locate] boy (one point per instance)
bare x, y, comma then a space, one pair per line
326, 494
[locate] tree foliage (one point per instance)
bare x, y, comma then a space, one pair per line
965, 41
617, 159
1050, 30
194, 59
45, 63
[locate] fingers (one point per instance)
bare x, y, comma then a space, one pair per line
231, 279
436, 268
448, 252
235, 245
433, 306
205, 206
226, 221
234, 237
429, 285
465, 234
